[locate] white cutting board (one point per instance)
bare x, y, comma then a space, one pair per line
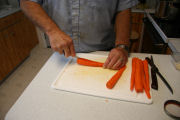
92, 80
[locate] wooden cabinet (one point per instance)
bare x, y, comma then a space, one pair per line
17, 38
137, 27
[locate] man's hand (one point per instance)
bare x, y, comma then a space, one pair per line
62, 43
117, 58
59, 41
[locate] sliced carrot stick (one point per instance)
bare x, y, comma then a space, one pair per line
87, 62
146, 81
133, 73
148, 94
146, 89
111, 83
138, 77
146, 70
143, 75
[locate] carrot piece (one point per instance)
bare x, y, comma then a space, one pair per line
146, 90
143, 75
148, 94
133, 73
146, 70
146, 82
145, 86
111, 83
87, 62
138, 77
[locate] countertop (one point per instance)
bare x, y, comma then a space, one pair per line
174, 44
40, 102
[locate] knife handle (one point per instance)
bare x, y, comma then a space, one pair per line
154, 84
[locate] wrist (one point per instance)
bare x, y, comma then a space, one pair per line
52, 31
122, 46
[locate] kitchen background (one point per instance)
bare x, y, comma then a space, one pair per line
24, 48
14, 3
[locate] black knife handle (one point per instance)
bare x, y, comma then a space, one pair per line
154, 83
152, 64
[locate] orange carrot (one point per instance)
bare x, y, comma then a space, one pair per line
146, 70
87, 62
143, 75
146, 81
138, 77
110, 84
133, 73
148, 94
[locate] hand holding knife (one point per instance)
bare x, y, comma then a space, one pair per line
156, 70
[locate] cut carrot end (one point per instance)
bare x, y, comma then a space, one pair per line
148, 94
111, 83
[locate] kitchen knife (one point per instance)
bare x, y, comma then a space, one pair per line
154, 77
155, 69
154, 83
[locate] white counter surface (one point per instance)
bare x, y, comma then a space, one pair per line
40, 102
174, 44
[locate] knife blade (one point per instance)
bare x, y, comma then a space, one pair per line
165, 82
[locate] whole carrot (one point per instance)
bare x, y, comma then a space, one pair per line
138, 77
110, 84
133, 73
87, 62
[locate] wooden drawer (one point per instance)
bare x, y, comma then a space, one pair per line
10, 20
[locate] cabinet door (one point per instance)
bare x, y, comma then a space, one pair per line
6, 61
13, 47
15, 42
30, 33
21, 40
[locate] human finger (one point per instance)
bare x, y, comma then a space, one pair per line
124, 61
112, 62
66, 51
107, 62
60, 51
118, 63
72, 50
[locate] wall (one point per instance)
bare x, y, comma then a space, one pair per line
3, 2
14, 3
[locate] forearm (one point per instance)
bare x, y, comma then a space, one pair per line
59, 40
122, 27
38, 16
